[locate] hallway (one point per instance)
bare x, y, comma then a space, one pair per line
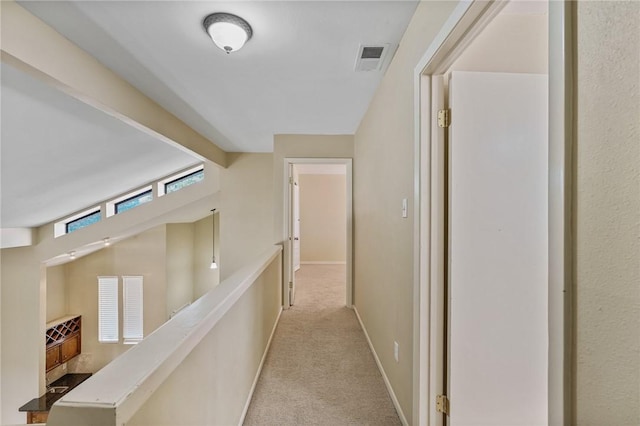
320, 370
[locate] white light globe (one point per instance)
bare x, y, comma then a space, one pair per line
227, 36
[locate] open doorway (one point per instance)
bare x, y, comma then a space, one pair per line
463, 179
318, 209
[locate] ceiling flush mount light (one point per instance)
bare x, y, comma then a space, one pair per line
229, 32
214, 265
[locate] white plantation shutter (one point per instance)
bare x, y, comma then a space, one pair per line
108, 309
132, 308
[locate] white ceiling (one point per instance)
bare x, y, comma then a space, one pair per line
296, 75
58, 155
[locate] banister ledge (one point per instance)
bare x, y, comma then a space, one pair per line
115, 393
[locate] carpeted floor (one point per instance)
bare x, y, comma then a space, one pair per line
319, 370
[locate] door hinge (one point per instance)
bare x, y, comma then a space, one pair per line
444, 118
442, 404
290, 284
290, 179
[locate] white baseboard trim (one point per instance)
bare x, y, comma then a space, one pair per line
403, 419
255, 380
324, 262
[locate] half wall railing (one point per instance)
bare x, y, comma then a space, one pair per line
200, 367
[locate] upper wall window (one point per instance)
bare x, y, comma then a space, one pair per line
187, 180
87, 220
129, 201
181, 180
134, 201
77, 221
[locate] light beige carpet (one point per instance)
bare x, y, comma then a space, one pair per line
319, 370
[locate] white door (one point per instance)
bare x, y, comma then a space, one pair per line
296, 223
290, 232
498, 233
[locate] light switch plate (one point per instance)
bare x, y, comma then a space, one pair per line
405, 212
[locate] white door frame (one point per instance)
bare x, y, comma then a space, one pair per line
288, 255
464, 24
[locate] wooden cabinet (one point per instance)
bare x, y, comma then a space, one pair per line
37, 417
53, 357
63, 340
70, 347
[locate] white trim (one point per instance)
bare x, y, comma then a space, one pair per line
324, 262
561, 136
257, 377
387, 383
287, 255
466, 21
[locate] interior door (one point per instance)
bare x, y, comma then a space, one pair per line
498, 233
290, 233
296, 223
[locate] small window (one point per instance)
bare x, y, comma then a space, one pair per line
83, 221
181, 182
108, 310
134, 201
132, 327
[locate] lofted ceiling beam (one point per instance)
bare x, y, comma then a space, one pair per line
32, 46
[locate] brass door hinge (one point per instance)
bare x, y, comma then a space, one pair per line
291, 284
444, 118
442, 404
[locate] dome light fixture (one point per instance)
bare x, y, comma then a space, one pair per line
229, 32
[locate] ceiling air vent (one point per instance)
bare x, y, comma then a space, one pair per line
372, 57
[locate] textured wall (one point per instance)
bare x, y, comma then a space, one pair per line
607, 214
56, 293
383, 176
323, 218
143, 254
246, 214
179, 265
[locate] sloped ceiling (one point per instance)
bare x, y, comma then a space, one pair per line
296, 75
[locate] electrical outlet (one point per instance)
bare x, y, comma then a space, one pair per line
396, 350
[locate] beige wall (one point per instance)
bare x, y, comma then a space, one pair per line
383, 176
223, 365
205, 278
323, 218
510, 43
607, 211
179, 263
143, 254
56, 293
23, 313
24, 291
246, 213
302, 146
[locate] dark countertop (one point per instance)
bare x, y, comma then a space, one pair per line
45, 402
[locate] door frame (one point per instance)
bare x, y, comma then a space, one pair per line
467, 20
288, 252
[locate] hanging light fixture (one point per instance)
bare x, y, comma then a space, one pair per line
214, 265
229, 32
